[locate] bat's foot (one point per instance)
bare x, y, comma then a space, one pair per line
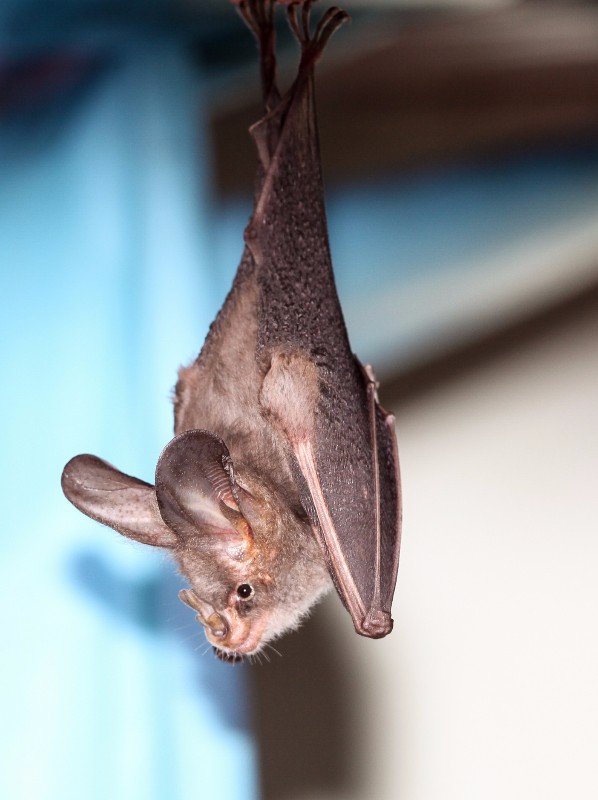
313, 43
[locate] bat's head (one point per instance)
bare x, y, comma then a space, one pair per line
253, 565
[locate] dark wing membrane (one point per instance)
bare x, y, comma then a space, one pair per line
346, 467
351, 476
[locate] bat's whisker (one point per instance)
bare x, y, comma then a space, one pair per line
271, 647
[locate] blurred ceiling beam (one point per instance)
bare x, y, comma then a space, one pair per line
405, 89
412, 382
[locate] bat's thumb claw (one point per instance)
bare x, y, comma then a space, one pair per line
376, 624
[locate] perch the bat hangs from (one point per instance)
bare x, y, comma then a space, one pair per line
283, 473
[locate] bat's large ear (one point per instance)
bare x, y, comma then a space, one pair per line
196, 491
124, 503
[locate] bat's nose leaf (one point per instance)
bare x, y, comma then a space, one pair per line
217, 625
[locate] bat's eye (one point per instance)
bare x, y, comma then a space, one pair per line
245, 591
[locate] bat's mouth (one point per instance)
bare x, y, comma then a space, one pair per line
227, 657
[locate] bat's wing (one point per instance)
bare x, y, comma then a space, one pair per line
317, 394
351, 489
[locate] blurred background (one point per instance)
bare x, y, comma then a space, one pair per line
460, 151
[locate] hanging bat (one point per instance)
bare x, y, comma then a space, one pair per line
283, 473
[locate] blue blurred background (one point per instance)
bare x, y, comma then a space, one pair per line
119, 236
106, 287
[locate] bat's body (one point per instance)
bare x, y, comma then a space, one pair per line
284, 469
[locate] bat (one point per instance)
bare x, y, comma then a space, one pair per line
283, 476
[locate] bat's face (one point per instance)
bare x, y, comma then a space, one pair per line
235, 629
253, 565
249, 589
